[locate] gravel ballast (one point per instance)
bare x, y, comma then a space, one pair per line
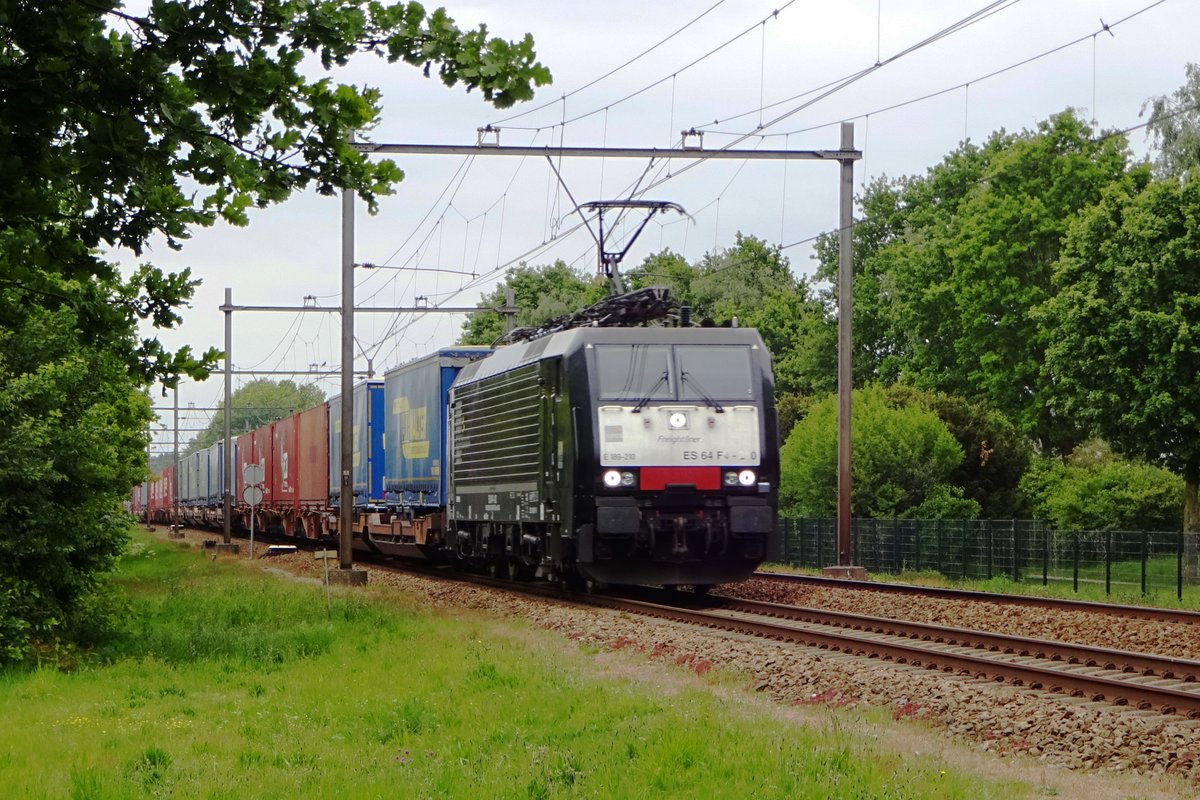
1176, 639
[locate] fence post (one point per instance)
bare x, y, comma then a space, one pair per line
1145, 548
988, 525
1016, 572
1045, 556
962, 528
898, 546
1075, 558
1108, 562
941, 564
789, 529
1179, 569
916, 532
820, 549
879, 548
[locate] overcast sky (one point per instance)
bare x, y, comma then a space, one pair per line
456, 223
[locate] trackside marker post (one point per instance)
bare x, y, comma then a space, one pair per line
323, 556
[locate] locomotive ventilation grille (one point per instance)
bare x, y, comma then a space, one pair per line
496, 430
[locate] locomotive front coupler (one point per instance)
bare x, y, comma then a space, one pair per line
679, 538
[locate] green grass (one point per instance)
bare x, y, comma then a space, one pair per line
232, 684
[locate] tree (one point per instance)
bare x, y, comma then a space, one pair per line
753, 282
1174, 128
884, 219
664, 269
254, 405
962, 257
730, 282
801, 338
903, 460
539, 294
71, 446
116, 127
1124, 329
996, 453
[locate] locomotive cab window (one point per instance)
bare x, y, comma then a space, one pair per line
715, 370
634, 372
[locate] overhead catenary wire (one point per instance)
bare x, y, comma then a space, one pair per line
617, 69
938, 93
674, 73
837, 84
634, 190
500, 266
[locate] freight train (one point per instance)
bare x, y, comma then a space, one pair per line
618, 455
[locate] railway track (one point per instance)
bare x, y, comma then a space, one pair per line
1054, 603
1157, 683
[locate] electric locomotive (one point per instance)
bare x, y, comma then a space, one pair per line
617, 455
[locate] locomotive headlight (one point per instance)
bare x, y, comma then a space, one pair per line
677, 420
628, 479
731, 478
612, 479
747, 477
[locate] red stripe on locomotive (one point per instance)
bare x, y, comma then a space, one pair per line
655, 478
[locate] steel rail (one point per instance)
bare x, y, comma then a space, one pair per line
1180, 669
1063, 604
1098, 688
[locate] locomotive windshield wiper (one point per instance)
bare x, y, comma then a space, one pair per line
683, 378
650, 394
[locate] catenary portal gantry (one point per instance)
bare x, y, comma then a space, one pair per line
845, 156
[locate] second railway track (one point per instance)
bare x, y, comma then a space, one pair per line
1054, 603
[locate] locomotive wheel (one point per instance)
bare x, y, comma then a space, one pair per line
521, 571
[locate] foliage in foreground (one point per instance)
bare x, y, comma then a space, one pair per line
120, 127
235, 684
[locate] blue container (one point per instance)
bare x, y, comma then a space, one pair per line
415, 396
368, 459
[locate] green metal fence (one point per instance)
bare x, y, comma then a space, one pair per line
980, 549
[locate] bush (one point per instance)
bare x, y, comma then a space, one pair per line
903, 457
1097, 490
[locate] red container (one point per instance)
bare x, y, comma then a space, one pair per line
285, 487
312, 446
264, 457
245, 455
168, 489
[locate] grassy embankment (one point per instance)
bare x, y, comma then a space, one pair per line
233, 684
